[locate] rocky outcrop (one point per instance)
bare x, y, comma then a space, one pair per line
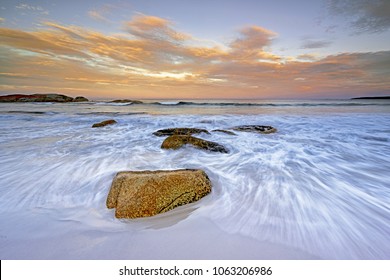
49, 97
177, 141
136, 194
127, 101
179, 131
264, 129
80, 99
104, 123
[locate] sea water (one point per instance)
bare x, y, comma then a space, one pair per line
318, 188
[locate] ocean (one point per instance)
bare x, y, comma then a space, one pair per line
318, 188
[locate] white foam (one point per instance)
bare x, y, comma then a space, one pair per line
317, 188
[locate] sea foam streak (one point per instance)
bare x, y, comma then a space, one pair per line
319, 187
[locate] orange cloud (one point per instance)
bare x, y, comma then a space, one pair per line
153, 60
38, 42
154, 28
253, 38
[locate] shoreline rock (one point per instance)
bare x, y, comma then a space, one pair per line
136, 194
48, 97
177, 141
104, 123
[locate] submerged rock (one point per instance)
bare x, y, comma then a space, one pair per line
224, 131
104, 123
180, 131
137, 194
264, 129
177, 141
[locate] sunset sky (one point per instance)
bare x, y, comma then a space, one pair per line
196, 49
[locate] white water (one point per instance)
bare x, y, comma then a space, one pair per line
318, 188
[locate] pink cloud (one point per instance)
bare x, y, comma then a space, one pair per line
155, 60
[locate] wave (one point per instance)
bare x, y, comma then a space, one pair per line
30, 112
111, 113
249, 104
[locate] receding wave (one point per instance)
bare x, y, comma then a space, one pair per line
111, 113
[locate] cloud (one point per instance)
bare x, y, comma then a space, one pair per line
364, 15
39, 42
154, 28
155, 60
97, 16
2, 19
315, 44
253, 38
36, 9
101, 13
308, 56
251, 45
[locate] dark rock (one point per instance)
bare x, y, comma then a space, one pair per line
180, 131
137, 194
49, 97
177, 141
224, 131
80, 99
104, 123
127, 101
264, 129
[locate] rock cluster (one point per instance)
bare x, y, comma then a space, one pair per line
136, 194
49, 97
178, 137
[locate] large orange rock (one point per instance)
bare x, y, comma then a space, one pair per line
137, 194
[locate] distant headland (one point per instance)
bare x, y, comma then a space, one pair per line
47, 97
372, 97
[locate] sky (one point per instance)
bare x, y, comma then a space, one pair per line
153, 49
